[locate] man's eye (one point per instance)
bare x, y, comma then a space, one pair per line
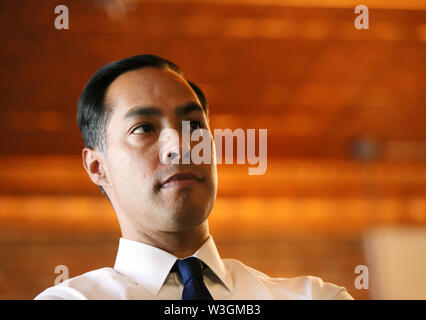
144, 128
196, 125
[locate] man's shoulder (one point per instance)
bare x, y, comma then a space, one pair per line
300, 287
82, 286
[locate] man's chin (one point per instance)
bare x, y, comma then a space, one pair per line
187, 208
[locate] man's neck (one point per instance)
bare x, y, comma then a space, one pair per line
180, 244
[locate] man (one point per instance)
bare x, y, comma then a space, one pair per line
166, 250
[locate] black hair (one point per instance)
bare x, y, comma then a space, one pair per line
93, 114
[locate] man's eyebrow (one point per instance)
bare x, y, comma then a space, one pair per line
148, 111
188, 108
143, 111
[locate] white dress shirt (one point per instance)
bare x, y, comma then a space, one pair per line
142, 271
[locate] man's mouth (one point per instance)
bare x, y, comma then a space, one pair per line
181, 180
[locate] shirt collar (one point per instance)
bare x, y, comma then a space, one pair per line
210, 256
149, 266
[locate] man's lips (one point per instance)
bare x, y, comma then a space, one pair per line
180, 179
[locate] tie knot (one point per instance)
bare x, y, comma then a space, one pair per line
190, 268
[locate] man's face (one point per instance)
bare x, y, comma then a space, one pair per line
144, 102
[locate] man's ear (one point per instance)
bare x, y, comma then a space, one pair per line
94, 163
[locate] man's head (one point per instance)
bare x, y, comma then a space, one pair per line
121, 113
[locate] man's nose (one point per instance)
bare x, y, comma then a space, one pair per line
180, 153
172, 152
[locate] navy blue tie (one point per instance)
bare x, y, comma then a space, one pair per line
194, 288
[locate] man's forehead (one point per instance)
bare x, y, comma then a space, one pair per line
148, 86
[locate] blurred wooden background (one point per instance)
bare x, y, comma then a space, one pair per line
344, 109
